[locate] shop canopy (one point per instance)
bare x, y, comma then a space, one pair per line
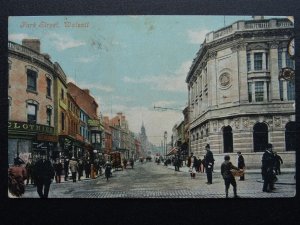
173, 151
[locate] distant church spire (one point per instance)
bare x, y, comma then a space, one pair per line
143, 130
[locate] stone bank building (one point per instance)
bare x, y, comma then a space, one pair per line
237, 101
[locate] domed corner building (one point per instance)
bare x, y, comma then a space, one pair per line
237, 101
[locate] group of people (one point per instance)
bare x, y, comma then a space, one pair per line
271, 162
207, 164
42, 172
270, 168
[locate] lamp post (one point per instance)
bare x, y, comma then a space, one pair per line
165, 140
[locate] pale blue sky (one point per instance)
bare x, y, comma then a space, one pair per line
129, 63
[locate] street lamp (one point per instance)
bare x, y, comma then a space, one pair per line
165, 140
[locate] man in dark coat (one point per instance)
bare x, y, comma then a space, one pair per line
241, 164
80, 169
87, 168
44, 173
278, 162
268, 175
66, 168
58, 170
209, 164
228, 177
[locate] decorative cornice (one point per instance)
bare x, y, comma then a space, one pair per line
208, 52
274, 44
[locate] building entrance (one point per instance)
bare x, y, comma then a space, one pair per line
260, 137
227, 139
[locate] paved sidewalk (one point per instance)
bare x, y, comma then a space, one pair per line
253, 171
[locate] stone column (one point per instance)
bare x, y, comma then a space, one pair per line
253, 91
264, 61
274, 72
243, 78
265, 91
212, 80
252, 61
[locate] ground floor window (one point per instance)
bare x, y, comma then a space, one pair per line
260, 137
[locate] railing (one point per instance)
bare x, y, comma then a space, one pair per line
27, 51
252, 25
284, 24
224, 31
257, 25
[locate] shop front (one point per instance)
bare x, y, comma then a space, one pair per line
29, 140
71, 147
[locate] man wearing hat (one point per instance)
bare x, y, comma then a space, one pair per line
268, 175
209, 164
241, 164
44, 173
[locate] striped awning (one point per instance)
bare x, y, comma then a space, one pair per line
173, 151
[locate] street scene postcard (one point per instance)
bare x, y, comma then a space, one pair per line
151, 107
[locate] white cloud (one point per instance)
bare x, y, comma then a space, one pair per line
19, 37
71, 79
173, 82
197, 37
99, 87
163, 103
62, 42
93, 86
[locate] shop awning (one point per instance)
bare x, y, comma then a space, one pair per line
173, 151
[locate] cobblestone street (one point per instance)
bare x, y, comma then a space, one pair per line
149, 180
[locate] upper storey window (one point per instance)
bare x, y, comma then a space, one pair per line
49, 84
31, 80
31, 113
258, 61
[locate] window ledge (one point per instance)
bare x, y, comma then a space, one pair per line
49, 97
32, 91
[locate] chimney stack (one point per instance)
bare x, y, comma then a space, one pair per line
87, 91
33, 44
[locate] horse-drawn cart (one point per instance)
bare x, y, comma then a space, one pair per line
116, 160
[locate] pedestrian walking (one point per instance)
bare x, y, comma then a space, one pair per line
87, 168
74, 168
80, 169
241, 164
124, 163
44, 173
226, 171
29, 170
16, 176
58, 168
176, 163
191, 164
131, 162
108, 167
66, 168
209, 164
268, 175
278, 162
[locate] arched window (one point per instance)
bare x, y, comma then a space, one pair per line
227, 139
260, 137
290, 136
